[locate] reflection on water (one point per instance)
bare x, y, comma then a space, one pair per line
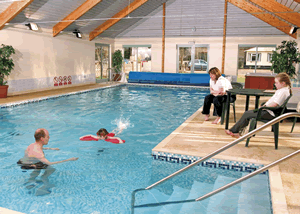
105, 174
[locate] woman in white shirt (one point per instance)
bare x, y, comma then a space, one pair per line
218, 87
283, 85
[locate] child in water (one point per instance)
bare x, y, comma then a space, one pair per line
103, 134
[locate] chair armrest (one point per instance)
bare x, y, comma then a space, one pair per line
259, 110
265, 107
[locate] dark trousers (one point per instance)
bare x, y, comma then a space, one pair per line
217, 101
244, 121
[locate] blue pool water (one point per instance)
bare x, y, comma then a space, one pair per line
102, 180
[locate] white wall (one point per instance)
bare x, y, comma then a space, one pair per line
40, 57
215, 49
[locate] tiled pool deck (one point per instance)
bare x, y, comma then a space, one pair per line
197, 138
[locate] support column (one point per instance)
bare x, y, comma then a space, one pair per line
163, 39
224, 36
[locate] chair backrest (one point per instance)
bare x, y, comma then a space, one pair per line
282, 108
236, 85
278, 110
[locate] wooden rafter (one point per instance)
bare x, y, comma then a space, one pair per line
81, 10
266, 17
117, 17
279, 10
12, 11
298, 1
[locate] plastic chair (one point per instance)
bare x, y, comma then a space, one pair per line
275, 128
295, 120
234, 86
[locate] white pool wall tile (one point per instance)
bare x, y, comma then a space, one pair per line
45, 82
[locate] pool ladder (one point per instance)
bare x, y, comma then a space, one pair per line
250, 134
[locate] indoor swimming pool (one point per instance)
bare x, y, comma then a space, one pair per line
102, 179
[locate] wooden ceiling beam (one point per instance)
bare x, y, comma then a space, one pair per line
279, 10
117, 17
81, 10
12, 11
266, 17
298, 1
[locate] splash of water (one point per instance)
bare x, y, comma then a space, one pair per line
122, 124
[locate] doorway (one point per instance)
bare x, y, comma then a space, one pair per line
102, 61
192, 58
137, 58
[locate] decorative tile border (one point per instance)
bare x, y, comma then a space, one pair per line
212, 163
53, 97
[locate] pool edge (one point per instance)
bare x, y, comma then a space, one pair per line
278, 198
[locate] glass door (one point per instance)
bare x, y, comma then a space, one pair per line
200, 61
184, 59
137, 58
144, 59
192, 58
102, 61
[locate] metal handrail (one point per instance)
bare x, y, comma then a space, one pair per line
247, 176
272, 122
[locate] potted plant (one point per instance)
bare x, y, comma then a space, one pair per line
6, 66
285, 57
117, 60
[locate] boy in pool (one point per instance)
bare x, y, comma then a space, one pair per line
103, 134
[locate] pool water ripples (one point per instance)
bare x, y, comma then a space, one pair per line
102, 179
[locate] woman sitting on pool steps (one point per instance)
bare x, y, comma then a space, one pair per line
103, 134
283, 85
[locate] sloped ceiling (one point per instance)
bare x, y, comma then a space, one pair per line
183, 17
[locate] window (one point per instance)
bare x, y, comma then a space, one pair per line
252, 57
137, 58
102, 55
269, 57
192, 58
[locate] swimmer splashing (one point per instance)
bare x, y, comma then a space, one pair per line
103, 134
121, 125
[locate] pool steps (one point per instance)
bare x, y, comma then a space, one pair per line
222, 203
246, 202
178, 194
152, 196
199, 207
